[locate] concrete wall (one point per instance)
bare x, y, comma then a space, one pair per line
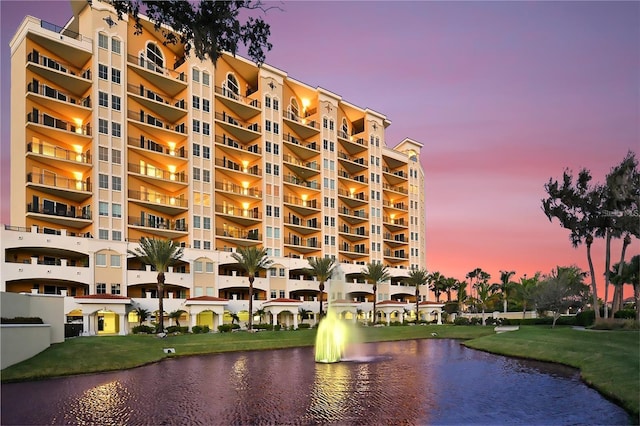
22, 341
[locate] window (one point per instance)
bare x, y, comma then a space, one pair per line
273, 292
103, 126
276, 149
116, 183
101, 288
267, 102
205, 78
276, 128
196, 126
195, 75
206, 175
233, 89
330, 124
269, 210
276, 170
196, 173
267, 125
282, 274
269, 232
197, 266
276, 211
272, 273
206, 151
115, 260
103, 99
267, 168
206, 105
103, 234
267, 146
101, 259
196, 221
196, 244
115, 45
103, 181
115, 75
207, 246
116, 210
116, 156
116, 235
103, 153
154, 56
103, 41
103, 208
115, 102
116, 129
196, 150
325, 123
196, 102
276, 233
276, 105
282, 294
206, 129
115, 288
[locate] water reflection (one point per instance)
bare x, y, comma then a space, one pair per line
417, 382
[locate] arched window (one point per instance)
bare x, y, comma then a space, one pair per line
294, 109
232, 87
345, 128
155, 59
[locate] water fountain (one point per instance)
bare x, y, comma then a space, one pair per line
333, 334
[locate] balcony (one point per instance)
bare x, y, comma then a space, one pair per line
233, 147
353, 251
240, 215
171, 181
352, 164
353, 216
239, 236
301, 206
303, 150
395, 206
302, 245
63, 187
60, 73
244, 190
172, 81
171, 109
60, 157
359, 179
304, 127
70, 133
158, 152
158, 128
352, 144
353, 234
352, 198
164, 227
294, 180
395, 255
226, 164
394, 177
395, 240
242, 106
395, 224
244, 131
398, 189
301, 225
303, 169
60, 213
59, 101
166, 204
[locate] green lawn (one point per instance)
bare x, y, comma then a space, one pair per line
609, 361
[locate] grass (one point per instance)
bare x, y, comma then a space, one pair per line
609, 361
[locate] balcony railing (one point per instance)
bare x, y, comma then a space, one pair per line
395, 221
358, 178
153, 121
300, 202
150, 145
42, 89
59, 209
361, 231
59, 153
145, 63
158, 223
396, 254
315, 146
156, 198
238, 211
237, 189
59, 182
225, 140
308, 223
151, 171
399, 206
355, 213
231, 165
237, 97
308, 164
400, 238
399, 173
360, 141
56, 123
36, 58
297, 181
356, 195
239, 233
353, 249
162, 98
358, 160
400, 189
226, 118
63, 31
294, 117
303, 242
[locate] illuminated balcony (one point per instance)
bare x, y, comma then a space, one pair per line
353, 233
302, 206
167, 204
398, 189
72, 133
156, 127
72, 189
171, 109
60, 157
242, 169
159, 152
352, 144
244, 131
303, 169
394, 223
304, 127
302, 245
59, 101
242, 215
352, 164
302, 225
244, 107
235, 148
171, 180
399, 206
60, 213
352, 198
246, 190
353, 216
60, 73
160, 226
303, 150
172, 81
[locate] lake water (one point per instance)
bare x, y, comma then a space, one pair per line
417, 382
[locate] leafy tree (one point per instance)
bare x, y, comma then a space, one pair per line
322, 268
525, 291
205, 28
175, 315
252, 260
505, 286
418, 277
142, 313
578, 208
375, 273
619, 277
160, 254
561, 290
634, 279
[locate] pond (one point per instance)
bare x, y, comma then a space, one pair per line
417, 382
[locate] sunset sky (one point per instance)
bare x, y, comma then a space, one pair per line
503, 95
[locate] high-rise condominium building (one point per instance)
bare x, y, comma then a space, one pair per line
117, 137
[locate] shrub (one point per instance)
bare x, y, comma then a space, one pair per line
461, 321
262, 327
450, 307
176, 329
304, 326
225, 328
198, 329
476, 321
142, 329
277, 327
625, 314
395, 323
22, 320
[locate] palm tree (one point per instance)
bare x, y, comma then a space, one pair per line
322, 268
234, 317
142, 314
505, 286
448, 285
525, 291
462, 295
175, 315
418, 277
252, 260
261, 313
485, 291
617, 275
634, 279
303, 313
160, 254
375, 273
436, 280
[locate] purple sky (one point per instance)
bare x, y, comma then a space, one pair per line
503, 95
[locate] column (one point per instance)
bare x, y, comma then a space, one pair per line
192, 319
440, 316
123, 323
86, 325
295, 321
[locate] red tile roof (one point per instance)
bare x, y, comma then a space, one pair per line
103, 296
391, 302
284, 300
207, 299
